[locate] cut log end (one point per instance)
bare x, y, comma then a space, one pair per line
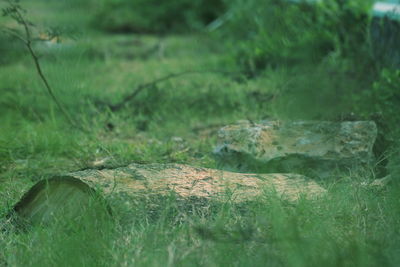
63, 196
72, 196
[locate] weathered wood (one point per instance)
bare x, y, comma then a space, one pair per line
71, 194
56, 196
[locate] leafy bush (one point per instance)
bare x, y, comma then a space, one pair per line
277, 31
156, 16
383, 98
381, 102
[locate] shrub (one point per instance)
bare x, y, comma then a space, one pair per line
281, 32
381, 102
384, 97
156, 16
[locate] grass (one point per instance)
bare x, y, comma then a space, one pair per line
353, 225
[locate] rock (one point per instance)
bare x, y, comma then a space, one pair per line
69, 193
310, 147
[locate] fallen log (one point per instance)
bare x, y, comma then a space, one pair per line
72, 193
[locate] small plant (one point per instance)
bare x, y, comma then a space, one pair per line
15, 11
384, 97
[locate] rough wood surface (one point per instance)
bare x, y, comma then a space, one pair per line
70, 192
187, 181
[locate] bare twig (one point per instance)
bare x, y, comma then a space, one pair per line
27, 41
140, 88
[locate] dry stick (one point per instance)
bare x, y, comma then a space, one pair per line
28, 44
141, 87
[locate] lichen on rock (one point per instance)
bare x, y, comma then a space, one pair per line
301, 146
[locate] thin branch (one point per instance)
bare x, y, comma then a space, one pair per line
28, 43
47, 85
22, 20
141, 87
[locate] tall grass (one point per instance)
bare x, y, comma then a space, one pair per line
353, 225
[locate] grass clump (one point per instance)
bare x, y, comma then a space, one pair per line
353, 226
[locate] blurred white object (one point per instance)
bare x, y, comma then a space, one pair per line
385, 9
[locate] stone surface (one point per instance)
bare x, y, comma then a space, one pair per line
302, 146
70, 194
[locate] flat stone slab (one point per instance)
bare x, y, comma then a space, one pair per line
296, 146
69, 193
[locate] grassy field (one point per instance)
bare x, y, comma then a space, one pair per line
174, 121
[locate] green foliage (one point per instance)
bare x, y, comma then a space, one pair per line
156, 16
382, 102
383, 98
353, 225
276, 32
386, 95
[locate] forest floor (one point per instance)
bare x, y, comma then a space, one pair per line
175, 120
